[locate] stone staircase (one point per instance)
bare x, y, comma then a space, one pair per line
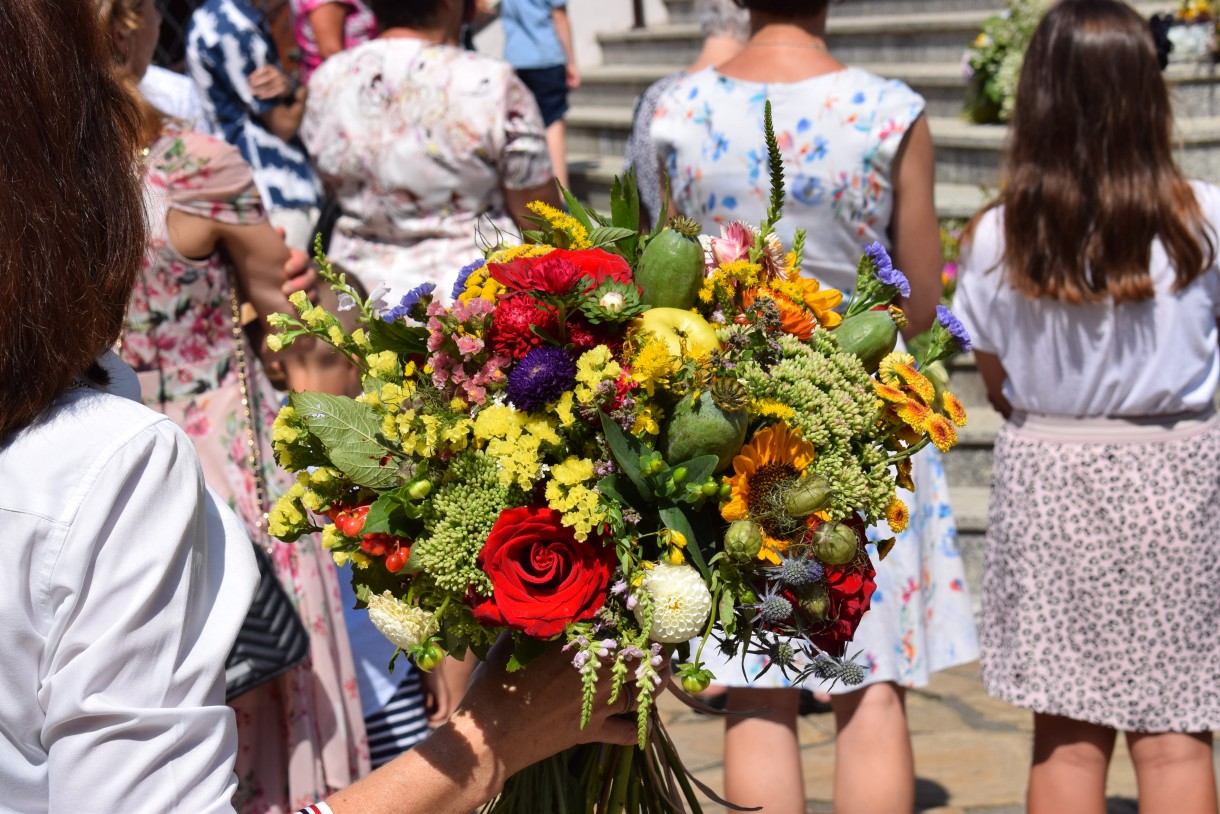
920, 42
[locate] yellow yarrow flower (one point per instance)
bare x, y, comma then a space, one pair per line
562, 222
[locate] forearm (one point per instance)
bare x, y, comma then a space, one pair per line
284, 120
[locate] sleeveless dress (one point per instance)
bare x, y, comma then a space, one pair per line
839, 133
301, 736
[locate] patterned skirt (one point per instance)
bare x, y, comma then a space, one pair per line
1101, 586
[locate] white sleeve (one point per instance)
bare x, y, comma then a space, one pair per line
977, 278
144, 604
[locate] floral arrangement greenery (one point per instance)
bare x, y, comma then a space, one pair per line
992, 63
618, 443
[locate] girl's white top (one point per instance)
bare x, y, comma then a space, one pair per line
123, 589
1152, 358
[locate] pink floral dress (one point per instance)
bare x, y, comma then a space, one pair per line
301, 736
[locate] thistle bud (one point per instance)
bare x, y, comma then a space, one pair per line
810, 494
743, 540
836, 544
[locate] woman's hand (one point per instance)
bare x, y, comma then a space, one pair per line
269, 82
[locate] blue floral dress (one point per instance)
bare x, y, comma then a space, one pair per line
839, 134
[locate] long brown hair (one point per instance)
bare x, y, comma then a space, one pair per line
1091, 176
70, 202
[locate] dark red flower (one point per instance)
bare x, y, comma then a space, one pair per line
510, 333
851, 589
559, 271
542, 577
598, 265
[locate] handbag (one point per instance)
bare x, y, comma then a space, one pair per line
272, 640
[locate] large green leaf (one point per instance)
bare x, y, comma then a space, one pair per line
606, 235
399, 337
351, 433
627, 453
392, 513
625, 212
576, 209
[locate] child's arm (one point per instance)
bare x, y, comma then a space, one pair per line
563, 30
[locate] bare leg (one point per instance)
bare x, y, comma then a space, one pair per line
556, 143
1174, 771
762, 756
874, 766
1069, 766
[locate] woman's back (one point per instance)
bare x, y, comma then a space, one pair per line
839, 133
1151, 358
418, 140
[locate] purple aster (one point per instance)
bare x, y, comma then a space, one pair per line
408, 302
954, 326
541, 377
459, 287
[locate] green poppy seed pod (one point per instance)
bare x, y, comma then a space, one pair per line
743, 540
810, 494
814, 602
836, 544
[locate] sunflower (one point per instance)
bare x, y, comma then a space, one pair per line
774, 459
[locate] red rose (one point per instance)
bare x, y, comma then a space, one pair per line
542, 577
851, 589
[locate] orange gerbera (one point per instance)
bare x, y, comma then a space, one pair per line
774, 458
793, 318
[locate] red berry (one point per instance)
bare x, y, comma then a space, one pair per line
394, 562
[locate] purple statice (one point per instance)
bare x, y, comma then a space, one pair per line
884, 269
407, 304
954, 326
541, 377
460, 286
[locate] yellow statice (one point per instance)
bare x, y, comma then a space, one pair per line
595, 366
515, 439
287, 515
513, 252
570, 492
383, 365
563, 409
560, 221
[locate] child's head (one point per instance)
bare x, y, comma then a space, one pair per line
323, 369
1091, 173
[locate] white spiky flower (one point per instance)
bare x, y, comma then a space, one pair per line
680, 602
406, 626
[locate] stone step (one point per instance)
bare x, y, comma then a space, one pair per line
904, 38
969, 506
683, 11
971, 154
592, 173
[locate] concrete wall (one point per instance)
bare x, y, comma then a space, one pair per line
589, 18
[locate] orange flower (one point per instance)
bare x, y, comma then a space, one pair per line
903, 480
897, 515
918, 416
794, 319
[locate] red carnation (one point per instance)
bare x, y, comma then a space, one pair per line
510, 333
542, 577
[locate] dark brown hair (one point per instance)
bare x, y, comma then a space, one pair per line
1091, 175
70, 202
785, 8
404, 13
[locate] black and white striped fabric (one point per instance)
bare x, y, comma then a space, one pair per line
400, 724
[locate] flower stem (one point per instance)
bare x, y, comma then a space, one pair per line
622, 779
909, 451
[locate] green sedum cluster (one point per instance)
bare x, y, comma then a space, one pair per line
458, 521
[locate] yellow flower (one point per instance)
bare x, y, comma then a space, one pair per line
562, 222
335, 334
568, 492
887, 372
903, 479
774, 457
916, 415
944, 434
512, 253
653, 364
563, 409
300, 301
383, 365
953, 409
769, 408
283, 431
361, 340
897, 515
594, 366
676, 557
315, 317
744, 273
646, 421
898, 370
331, 536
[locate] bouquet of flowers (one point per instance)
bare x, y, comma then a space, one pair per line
618, 443
992, 63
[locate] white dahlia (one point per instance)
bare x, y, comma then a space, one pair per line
404, 625
680, 601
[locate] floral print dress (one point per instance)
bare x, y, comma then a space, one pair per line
418, 142
301, 736
839, 134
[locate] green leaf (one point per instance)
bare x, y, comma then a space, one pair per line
725, 615
605, 235
576, 209
698, 469
625, 212
399, 337
351, 433
663, 216
391, 513
527, 650
620, 492
627, 453
676, 520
